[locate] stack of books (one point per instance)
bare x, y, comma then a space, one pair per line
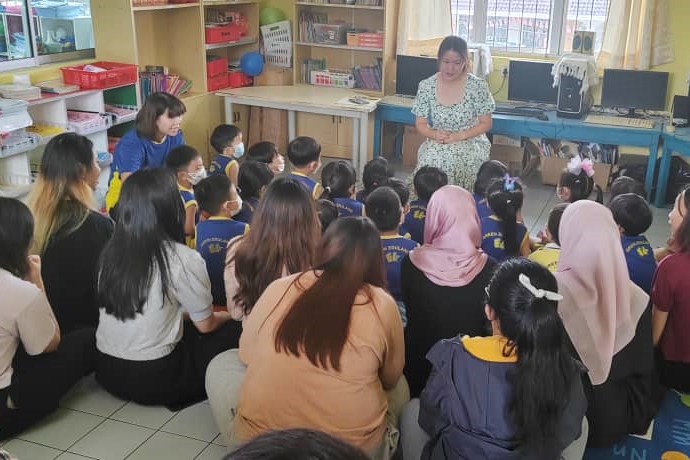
157, 78
57, 87
368, 76
24, 92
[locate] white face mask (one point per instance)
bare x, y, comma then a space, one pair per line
317, 168
234, 212
238, 150
197, 176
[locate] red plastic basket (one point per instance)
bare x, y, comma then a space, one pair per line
224, 33
217, 82
115, 74
216, 66
237, 79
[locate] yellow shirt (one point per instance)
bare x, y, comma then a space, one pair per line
547, 256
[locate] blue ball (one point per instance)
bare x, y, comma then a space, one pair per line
252, 63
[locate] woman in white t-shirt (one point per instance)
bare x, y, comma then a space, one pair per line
149, 281
37, 366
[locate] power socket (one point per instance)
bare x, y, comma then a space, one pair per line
504, 72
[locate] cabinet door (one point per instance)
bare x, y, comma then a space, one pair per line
323, 128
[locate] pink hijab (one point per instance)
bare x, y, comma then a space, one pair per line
601, 306
451, 254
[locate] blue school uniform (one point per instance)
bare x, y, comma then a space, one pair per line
492, 238
311, 185
247, 212
395, 248
639, 256
212, 236
221, 164
361, 196
348, 207
189, 200
483, 209
414, 220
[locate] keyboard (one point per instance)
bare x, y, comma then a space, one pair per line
619, 121
405, 101
521, 112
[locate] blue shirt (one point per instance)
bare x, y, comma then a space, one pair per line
212, 236
414, 220
395, 248
311, 185
247, 212
361, 196
492, 238
639, 256
221, 165
483, 208
348, 207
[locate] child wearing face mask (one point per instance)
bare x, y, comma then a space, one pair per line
267, 152
186, 163
218, 198
227, 141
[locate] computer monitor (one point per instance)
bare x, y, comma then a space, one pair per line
410, 70
530, 81
634, 89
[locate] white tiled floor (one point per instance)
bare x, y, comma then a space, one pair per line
92, 424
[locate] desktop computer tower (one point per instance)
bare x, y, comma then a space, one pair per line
571, 104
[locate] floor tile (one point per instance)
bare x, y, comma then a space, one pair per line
71, 456
112, 440
89, 396
150, 417
62, 428
219, 441
30, 451
166, 446
195, 422
213, 452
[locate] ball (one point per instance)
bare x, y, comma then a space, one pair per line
270, 15
252, 63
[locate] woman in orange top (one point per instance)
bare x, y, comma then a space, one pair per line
321, 350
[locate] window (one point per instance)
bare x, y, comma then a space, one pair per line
34, 32
528, 26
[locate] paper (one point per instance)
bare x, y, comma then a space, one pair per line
359, 100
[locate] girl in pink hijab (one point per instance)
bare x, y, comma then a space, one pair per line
608, 321
443, 281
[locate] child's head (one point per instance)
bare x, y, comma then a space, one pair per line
328, 212
427, 180
488, 171
632, 214
186, 163
267, 152
227, 140
577, 182
504, 197
253, 178
384, 208
217, 196
625, 184
16, 234
680, 222
376, 173
338, 180
304, 153
554, 223
403, 191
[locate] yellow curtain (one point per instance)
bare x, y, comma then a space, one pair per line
422, 20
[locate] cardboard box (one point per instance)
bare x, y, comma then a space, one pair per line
602, 173
268, 125
553, 167
412, 139
509, 155
506, 140
274, 76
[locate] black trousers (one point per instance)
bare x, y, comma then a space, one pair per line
673, 374
175, 380
39, 382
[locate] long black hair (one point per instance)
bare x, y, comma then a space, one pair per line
16, 234
489, 171
581, 186
545, 368
504, 197
338, 178
150, 217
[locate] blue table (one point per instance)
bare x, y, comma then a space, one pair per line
678, 141
554, 128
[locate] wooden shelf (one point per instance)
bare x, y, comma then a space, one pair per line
341, 47
339, 5
227, 2
240, 42
164, 7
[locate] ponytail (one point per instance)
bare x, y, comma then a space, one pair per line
504, 197
337, 178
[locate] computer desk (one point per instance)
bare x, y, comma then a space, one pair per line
554, 128
677, 141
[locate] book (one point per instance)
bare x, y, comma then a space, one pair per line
57, 87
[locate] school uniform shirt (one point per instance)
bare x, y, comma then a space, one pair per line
639, 255
348, 207
311, 185
154, 333
221, 164
483, 208
492, 238
189, 200
414, 220
547, 256
361, 196
212, 236
247, 212
670, 293
395, 248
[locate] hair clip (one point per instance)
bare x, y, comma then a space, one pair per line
538, 293
508, 183
327, 189
588, 167
575, 165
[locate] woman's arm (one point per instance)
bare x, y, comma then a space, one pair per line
213, 322
483, 126
232, 285
659, 319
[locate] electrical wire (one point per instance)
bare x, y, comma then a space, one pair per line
503, 83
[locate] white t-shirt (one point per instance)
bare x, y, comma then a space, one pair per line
25, 315
154, 333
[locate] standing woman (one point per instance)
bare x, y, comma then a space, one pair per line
453, 110
156, 132
70, 234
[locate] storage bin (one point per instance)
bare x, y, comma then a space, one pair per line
88, 122
216, 65
15, 185
371, 40
353, 39
217, 81
277, 43
330, 34
223, 33
237, 79
116, 74
53, 9
18, 142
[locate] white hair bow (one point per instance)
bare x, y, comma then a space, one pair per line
577, 165
538, 293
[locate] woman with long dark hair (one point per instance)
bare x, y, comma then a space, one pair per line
531, 374
148, 277
321, 350
282, 241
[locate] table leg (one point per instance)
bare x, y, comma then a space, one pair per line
662, 178
229, 119
291, 125
378, 124
356, 153
363, 141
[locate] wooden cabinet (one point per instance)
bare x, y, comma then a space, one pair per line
333, 133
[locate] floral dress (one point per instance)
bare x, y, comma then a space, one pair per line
460, 160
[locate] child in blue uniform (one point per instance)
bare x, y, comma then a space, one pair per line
633, 216
549, 254
186, 163
267, 152
328, 213
305, 155
338, 179
503, 235
253, 179
426, 181
218, 198
489, 171
384, 208
227, 142
402, 190
376, 173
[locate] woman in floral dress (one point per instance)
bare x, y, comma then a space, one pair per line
453, 110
